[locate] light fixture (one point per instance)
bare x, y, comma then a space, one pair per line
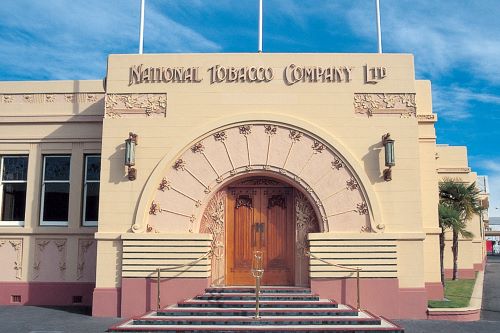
130, 144
389, 156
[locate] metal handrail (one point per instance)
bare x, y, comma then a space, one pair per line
352, 269
159, 270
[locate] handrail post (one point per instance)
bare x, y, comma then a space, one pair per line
358, 301
158, 306
257, 272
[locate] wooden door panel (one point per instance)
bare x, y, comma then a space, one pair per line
279, 249
260, 219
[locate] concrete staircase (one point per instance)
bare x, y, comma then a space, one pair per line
282, 309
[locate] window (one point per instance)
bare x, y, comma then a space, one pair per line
14, 177
91, 190
55, 190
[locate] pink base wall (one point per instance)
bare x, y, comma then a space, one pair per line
138, 295
480, 267
46, 293
435, 290
106, 302
468, 273
380, 296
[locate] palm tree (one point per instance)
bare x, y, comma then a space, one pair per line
448, 216
465, 199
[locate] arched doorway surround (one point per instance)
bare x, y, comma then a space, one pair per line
182, 186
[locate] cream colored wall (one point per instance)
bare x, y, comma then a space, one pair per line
38, 118
428, 181
453, 163
324, 109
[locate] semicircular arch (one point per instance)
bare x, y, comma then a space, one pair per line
306, 156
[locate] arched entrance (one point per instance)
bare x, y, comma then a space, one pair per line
259, 213
193, 194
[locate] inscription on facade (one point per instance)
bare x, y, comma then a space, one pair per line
292, 74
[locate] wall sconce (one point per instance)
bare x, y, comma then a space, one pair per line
389, 156
130, 144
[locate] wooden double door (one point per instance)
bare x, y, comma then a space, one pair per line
260, 219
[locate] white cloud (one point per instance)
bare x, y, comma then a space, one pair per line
443, 35
455, 103
60, 39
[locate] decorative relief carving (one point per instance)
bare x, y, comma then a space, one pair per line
198, 148
318, 147
134, 105
244, 201
179, 165
213, 222
220, 136
337, 164
270, 129
154, 208
362, 208
245, 130
41, 244
276, 200
50, 98
17, 245
427, 117
295, 135
306, 222
390, 104
151, 229
164, 185
7, 99
352, 184
261, 182
61, 247
83, 247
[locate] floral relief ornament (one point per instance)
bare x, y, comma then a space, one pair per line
270, 129
245, 130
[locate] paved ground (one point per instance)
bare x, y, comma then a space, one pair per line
31, 319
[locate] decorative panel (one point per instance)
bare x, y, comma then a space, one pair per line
87, 254
402, 105
11, 259
50, 260
136, 105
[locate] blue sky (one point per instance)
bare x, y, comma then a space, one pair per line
456, 44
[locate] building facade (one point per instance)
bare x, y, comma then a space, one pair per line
227, 154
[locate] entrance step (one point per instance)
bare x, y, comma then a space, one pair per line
283, 309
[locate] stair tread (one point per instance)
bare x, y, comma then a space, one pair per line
340, 308
384, 325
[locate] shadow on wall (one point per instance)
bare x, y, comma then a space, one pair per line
371, 162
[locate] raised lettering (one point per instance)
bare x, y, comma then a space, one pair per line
135, 75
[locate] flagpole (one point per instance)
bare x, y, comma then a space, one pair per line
141, 32
260, 26
379, 31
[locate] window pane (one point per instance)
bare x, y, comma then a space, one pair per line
93, 167
56, 202
92, 202
14, 202
57, 167
15, 168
